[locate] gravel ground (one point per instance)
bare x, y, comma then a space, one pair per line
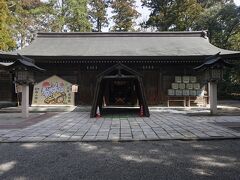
130, 160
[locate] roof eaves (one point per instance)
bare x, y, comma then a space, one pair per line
122, 34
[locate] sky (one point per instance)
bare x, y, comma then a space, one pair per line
237, 2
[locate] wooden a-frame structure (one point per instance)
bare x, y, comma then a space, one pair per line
118, 72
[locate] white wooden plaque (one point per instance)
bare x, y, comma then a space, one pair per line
193, 92
189, 86
181, 86
178, 79
193, 79
171, 92
185, 79
178, 92
196, 86
185, 92
174, 85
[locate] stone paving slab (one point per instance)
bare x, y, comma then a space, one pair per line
77, 126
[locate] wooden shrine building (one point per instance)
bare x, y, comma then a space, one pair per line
118, 69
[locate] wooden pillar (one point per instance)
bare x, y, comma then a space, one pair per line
25, 101
213, 97
159, 89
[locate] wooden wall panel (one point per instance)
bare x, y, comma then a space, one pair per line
151, 82
6, 86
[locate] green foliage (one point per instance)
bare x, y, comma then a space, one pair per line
66, 15
186, 13
172, 14
124, 14
161, 16
98, 14
24, 12
223, 24
6, 36
77, 16
234, 40
209, 3
51, 16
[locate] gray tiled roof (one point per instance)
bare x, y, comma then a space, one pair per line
122, 44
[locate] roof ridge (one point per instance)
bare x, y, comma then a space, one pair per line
123, 34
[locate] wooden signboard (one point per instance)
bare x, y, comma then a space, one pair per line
53, 91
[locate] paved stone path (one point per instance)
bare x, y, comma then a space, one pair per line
77, 126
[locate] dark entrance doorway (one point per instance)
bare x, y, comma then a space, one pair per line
120, 92
119, 88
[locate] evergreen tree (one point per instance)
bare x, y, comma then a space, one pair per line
124, 14
186, 14
223, 24
172, 14
68, 15
77, 18
161, 16
210, 3
98, 14
6, 36
25, 23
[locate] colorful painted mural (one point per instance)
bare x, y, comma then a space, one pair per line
53, 91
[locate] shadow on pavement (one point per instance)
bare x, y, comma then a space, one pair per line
135, 160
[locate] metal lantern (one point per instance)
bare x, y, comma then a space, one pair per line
24, 76
23, 69
213, 68
213, 74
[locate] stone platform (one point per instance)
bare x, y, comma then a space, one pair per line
77, 126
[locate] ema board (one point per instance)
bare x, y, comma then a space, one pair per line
53, 91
